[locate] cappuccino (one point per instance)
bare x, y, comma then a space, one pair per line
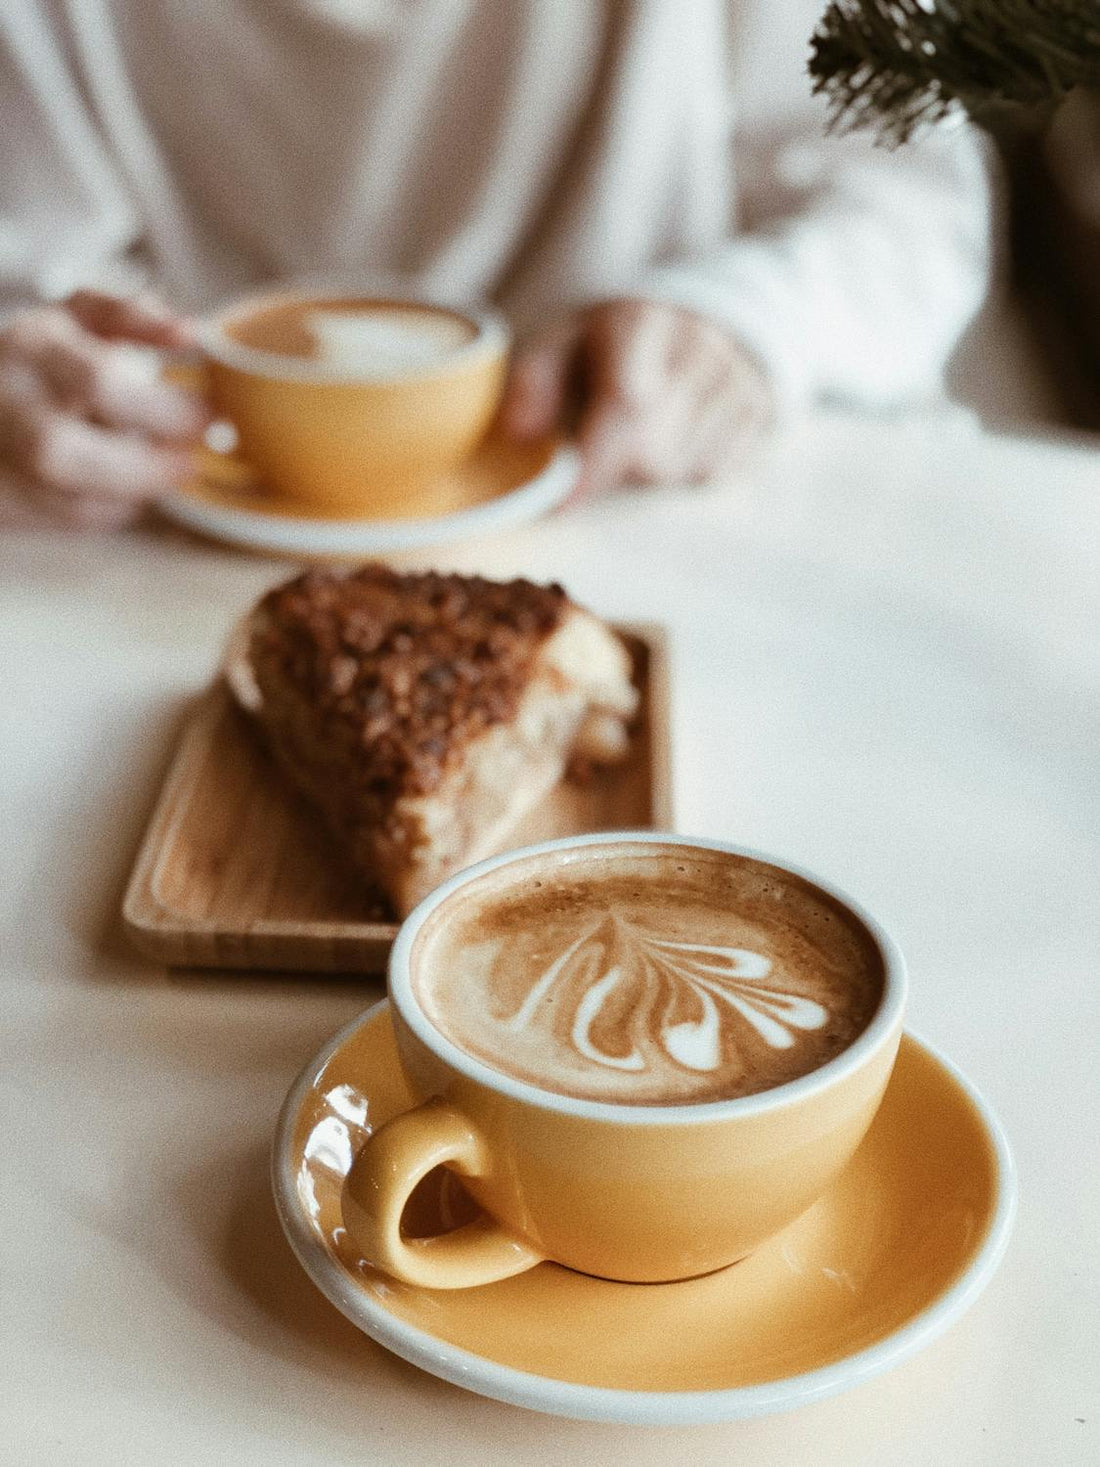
644, 974
364, 338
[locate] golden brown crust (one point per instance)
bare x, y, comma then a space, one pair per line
398, 672
422, 715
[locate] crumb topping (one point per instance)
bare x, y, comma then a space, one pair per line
399, 672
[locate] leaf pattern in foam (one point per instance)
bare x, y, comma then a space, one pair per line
617, 976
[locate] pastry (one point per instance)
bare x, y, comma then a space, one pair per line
423, 715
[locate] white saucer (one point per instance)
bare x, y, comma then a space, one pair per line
499, 489
891, 1256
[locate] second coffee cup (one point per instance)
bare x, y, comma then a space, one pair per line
356, 406
643, 1054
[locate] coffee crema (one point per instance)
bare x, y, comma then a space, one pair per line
648, 975
372, 337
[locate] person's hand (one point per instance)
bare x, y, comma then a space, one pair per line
88, 432
657, 393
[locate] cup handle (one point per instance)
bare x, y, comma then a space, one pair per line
381, 1180
220, 467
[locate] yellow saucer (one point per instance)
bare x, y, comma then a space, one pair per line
891, 1256
501, 485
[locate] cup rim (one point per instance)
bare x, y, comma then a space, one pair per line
492, 333
885, 1024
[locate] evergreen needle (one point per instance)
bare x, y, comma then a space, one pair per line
898, 65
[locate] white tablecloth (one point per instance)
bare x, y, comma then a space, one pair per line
887, 665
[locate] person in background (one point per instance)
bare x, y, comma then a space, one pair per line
643, 186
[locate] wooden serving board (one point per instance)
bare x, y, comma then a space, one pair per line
236, 872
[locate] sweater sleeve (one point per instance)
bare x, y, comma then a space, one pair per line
853, 270
65, 215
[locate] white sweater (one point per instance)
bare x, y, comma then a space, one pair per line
540, 153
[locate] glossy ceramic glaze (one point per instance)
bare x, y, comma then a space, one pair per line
892, 1254
642, 1193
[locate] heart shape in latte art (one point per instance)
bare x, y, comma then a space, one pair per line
622, 993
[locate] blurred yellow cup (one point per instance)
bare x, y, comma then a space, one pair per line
355, 405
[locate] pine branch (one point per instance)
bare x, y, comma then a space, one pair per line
899, 65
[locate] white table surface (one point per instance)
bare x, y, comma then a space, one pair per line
887, 665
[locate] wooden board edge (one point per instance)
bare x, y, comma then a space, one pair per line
143, 915
164, 934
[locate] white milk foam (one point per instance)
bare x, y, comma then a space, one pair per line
615, 953
665, 978
385, 341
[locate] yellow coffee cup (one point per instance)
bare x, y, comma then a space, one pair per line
357, 406
635, 1192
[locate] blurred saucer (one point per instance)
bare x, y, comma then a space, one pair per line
891, 1256
502, 485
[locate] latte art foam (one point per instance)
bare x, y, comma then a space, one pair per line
361, 337
650, 980
727, 984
